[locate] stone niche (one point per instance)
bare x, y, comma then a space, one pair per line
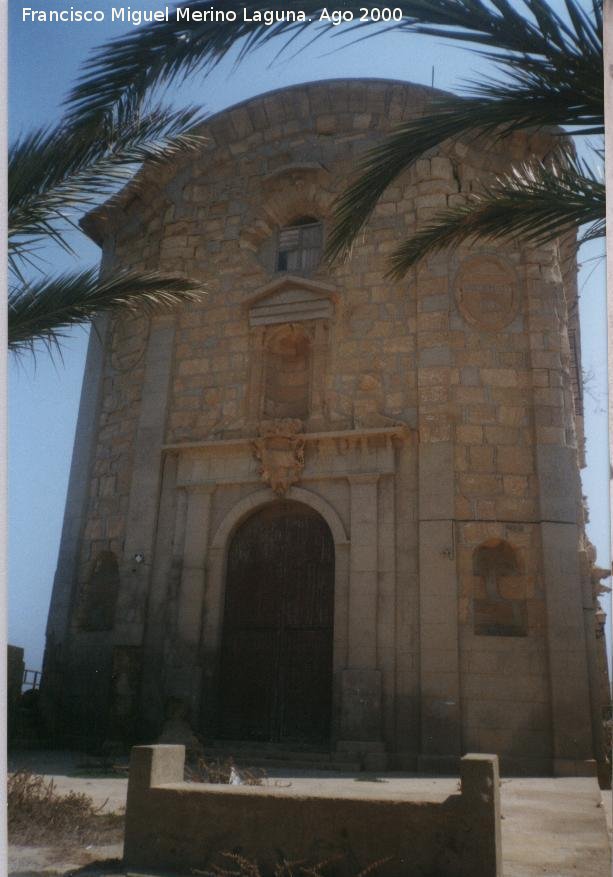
289, 322
287, 373
496, 562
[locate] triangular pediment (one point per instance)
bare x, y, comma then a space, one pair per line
291, 299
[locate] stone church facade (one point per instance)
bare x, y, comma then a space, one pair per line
322, 508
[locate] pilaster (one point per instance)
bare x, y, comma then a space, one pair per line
145, 487
186, 675
361, 680
438, 608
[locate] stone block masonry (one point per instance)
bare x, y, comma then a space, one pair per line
430, 428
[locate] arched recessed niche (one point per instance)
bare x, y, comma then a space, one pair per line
287, 376
497, 614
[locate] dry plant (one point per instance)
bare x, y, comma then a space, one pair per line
300, 868
608, 744
37, 814
223, 772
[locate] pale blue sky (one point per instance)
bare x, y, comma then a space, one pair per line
43, 396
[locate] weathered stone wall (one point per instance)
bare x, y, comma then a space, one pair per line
451, 390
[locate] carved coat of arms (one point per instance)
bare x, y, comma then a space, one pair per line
280, 449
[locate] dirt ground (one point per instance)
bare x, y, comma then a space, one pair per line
550, 827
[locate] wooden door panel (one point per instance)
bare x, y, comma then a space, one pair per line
309, 595
306, 667
276, 663
248, 689
253, 599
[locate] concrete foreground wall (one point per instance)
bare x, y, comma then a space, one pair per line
178, 825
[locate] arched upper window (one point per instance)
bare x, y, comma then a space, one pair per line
299, 246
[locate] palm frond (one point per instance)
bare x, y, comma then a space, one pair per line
552, 69
536, 29
53, 172
43, 310
533, 204
448, 118
163, 51
551, 74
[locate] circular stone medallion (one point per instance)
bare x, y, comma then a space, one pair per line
128, 341
487, 292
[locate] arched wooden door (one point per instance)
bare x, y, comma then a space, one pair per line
276, 660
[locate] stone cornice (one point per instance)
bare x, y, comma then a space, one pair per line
290, 281
400, 431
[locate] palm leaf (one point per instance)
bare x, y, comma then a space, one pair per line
57, 173
43, 310
448, 118
551, 66
163, 51
54, 172
534, 204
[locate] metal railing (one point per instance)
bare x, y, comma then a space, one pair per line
31, 679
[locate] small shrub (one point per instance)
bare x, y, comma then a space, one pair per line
244, 867
37, 813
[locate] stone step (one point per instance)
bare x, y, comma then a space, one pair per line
298, 759
296, 764
287, 753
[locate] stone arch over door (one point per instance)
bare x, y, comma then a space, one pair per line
216, 592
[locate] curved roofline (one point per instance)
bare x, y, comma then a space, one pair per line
92, 222
336, 80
